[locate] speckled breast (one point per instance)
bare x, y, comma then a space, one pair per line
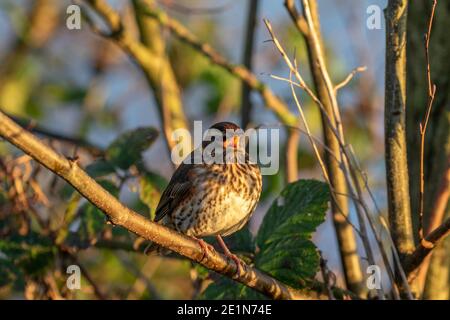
225, 197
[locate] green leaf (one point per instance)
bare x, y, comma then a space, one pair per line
9, 273
226, 289
149, 193
241, 241
126, 150
92, 218
100, 168
221, 89
285, 248
24, 256
63, 93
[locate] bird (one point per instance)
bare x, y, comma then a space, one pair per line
205, 198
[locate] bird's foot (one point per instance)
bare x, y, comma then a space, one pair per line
239, 263
206, 248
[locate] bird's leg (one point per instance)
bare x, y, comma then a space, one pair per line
230, 255
206, 248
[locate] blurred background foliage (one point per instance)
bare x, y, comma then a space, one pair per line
88, 100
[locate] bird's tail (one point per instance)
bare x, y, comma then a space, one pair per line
154, 248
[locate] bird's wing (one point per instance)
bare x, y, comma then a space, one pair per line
180, 187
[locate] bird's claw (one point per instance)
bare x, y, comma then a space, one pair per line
239, 263
206, 248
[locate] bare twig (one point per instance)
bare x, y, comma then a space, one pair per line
424, 123
172, 5
349, 78
329, 278
298, 19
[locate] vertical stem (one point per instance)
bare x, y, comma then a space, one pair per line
340, 210
397, 180
292, 155
246, 107
395, 139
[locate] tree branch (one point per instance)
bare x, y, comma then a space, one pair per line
120, 215
424, 123
272, 101
414, 260
395, 138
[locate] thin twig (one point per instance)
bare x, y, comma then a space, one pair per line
423, 125
329, 278
349, 78
31, 125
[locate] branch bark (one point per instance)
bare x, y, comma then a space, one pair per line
120, 215
395, 139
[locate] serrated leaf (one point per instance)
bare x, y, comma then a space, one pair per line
126, 150
286, 251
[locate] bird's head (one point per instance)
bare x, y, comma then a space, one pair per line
229, 132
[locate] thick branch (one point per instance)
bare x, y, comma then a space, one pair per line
120, 215
272, 101
395, 138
